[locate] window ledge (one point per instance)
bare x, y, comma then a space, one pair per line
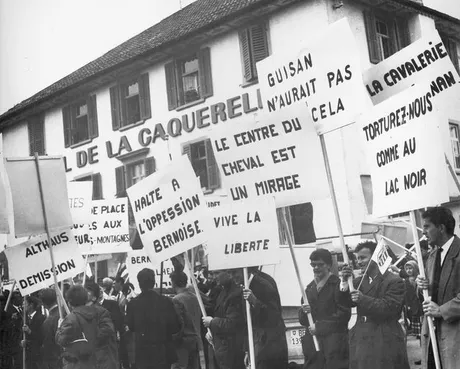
190, 104
250, 83
132, 125
81, 143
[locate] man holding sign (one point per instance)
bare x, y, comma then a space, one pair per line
377, 340
443, 272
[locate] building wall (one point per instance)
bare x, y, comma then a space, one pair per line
286, 29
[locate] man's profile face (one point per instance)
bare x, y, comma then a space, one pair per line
363, 257
432, 233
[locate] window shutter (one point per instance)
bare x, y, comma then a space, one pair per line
204, 60
371, 33
115, 105
149, 164
171, 89
213, 168
97, 186
451, 48
186, 151
67, 126
36, 132
246, 54
92, 117
302, 223
259, 45
120, 181
144, 93
403, 33
394, 40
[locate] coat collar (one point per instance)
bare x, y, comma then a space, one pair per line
448, 266
375, 282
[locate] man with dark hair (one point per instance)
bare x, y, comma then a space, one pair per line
14, 326
153, 320
377, 340
330, 317
50, 350
443, 276
268, 327
188, 342
33, 332
228, 323
90, 322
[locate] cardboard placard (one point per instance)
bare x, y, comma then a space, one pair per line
80, 198
108, 231
27, 204
245, 234
425, 59
277, 158
403, 145
381, 256
327, 79
30, 262
138, 259
170, 210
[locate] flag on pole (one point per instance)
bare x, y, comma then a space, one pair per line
381, 256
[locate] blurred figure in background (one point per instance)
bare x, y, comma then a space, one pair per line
51, 351
34, 333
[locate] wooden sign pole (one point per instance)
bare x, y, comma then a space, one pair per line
252, 357
297, 271
45, 220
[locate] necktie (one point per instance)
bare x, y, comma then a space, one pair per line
437, 276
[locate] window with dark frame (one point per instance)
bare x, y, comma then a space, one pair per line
36, 132
130, 102
189, 79
386, 34
452, 49
80, 121
300, 222
254, 48
204, 163
97, 184
455, 143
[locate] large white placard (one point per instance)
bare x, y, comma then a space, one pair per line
108, 231
80, 198
325, 74
138, 259
170, 210
279, 157
29, 263
28, 210
244, 234
402, 139
425, 59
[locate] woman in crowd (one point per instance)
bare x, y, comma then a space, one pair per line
413, 307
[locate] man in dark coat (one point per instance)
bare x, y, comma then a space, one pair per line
228, 324
51, 351
14, 326
34, 333
268, 327
330, 317
443, 276
153, 320
377, 340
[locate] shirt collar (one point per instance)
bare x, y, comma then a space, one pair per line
32, 315
446, 246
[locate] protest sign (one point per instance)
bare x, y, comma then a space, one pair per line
245, 233
30, 262
108, 231
327, 79
80, 197
27, 204
402, 140
381, 256
139, 259
424, 59
170, 210
93, 258
277, 158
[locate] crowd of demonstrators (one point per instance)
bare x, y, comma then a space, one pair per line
113, 327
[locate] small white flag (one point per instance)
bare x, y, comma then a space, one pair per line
381, 256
